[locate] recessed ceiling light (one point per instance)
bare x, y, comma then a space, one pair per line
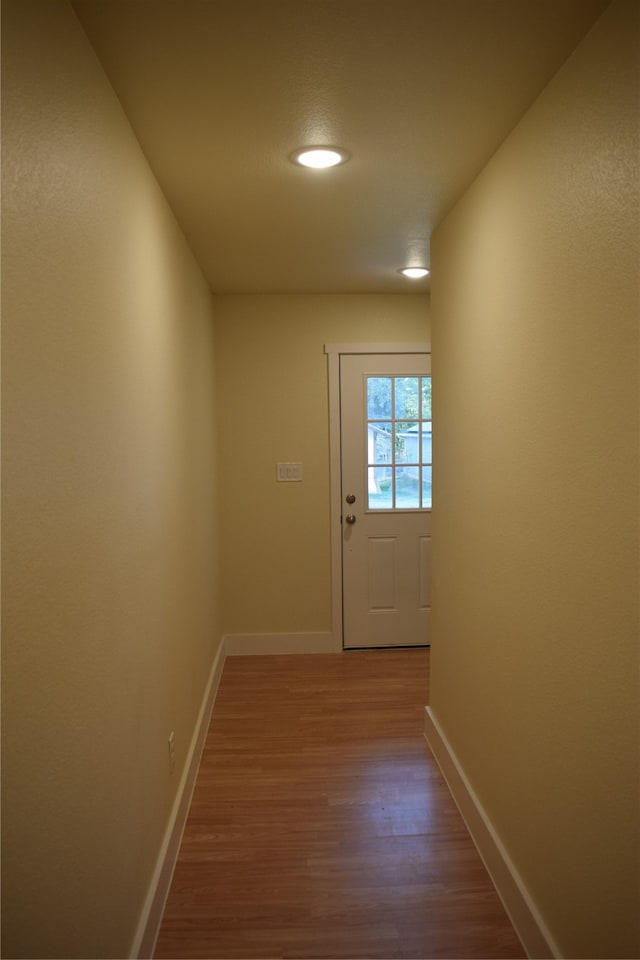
319, 158
414, 273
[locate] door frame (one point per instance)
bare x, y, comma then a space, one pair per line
334, 351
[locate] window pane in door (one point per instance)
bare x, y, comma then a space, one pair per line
407, 442
380, 488
426, 442
406, 391
379, 398
426, 488
379, 443
408, 488
426, 398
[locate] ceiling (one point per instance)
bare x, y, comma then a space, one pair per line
420, 92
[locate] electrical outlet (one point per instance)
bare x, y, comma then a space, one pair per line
172, 751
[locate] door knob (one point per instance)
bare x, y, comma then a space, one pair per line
350, 518
350, 498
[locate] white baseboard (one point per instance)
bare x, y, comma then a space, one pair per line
151, 916
256, 644
517, 901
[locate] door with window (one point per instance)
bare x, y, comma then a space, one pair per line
385, 428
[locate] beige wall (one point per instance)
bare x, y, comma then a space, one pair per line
272, 403
535, 304
110, 611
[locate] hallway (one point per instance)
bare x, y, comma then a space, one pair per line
320, 825
176, 293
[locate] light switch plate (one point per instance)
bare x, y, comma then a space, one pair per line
288, 472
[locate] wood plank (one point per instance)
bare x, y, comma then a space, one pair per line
320, 825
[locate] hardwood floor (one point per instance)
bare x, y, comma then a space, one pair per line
320, 825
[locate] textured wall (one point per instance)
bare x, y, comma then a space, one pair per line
535, 301
109, 598
272, 402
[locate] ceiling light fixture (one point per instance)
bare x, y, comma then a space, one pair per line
414, 273
320, 158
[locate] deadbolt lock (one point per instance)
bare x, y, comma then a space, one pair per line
351, 498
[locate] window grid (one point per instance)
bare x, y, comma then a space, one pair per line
397, 480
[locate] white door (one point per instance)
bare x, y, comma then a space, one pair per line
385, 411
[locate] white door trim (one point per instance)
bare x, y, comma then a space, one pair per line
334, 351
